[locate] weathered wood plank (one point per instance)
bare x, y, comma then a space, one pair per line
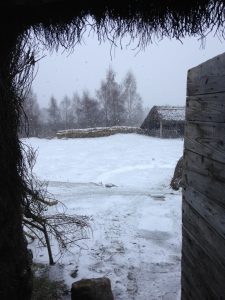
203, 252
212, 243
206, 108
205, 166
208, 77
196, 291
209, 210
200, 271
204, 150
207, 139
207, 85
208, 187
198, 281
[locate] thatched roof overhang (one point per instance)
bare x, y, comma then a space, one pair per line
144, 19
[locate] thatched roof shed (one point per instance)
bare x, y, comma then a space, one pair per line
165, 121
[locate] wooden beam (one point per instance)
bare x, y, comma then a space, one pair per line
206, 138
206, 108
207, 78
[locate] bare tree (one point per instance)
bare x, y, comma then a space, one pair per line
138, 116
53, 114
31, 115
102, 95
110, 97
66, 112
132, 100
116, 104
88, 112
75, 102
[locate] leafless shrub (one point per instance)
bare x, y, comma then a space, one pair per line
39, 223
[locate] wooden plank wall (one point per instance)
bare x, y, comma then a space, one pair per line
203, 249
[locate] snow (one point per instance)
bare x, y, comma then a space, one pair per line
122, 182
171, 113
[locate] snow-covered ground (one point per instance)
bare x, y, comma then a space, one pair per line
136, 223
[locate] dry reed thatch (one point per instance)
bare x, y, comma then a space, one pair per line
63, 22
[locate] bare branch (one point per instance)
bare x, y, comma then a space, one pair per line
65, 229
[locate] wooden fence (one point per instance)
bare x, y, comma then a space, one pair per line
203, 250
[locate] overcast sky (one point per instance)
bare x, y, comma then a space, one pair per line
160, 70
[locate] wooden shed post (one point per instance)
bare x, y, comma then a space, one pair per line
203, 249
161, 129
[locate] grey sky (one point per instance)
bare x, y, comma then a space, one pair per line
160, 70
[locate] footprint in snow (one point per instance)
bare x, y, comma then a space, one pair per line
110, 185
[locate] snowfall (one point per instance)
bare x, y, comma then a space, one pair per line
122, 183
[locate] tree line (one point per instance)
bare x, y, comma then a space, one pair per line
115, 104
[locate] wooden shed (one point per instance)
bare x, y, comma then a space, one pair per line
165, 121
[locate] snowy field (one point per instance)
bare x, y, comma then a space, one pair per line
122, 181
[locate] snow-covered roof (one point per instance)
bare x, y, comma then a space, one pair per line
171, 113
